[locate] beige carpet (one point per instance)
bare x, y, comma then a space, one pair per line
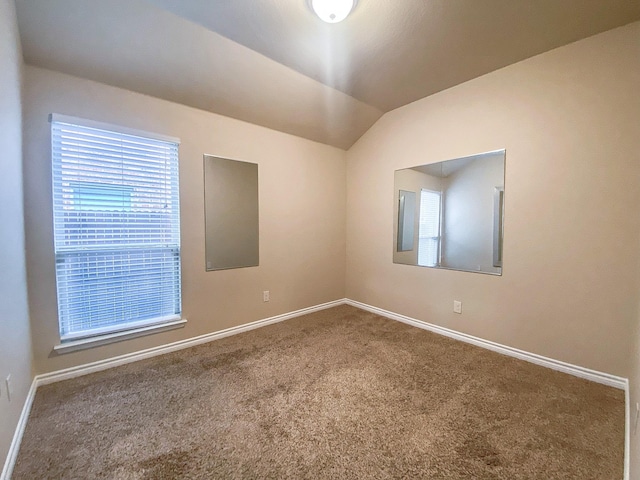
341, 394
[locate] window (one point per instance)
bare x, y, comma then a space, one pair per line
429, 229
116, 228
98, 197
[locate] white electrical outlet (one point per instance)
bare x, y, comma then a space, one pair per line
457, 306
7, 383
265, 296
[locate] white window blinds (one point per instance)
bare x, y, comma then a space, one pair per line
116, 228
429, 229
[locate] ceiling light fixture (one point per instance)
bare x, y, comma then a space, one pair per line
333, 11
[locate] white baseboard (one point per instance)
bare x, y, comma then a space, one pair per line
93, 367
17, 436
86, 369
593, 375
575, 370
43, 379
627, 430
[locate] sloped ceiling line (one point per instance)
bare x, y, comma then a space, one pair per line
277, 65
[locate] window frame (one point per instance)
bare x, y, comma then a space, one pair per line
134, 327
438, 237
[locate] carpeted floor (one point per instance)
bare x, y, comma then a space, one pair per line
341, 394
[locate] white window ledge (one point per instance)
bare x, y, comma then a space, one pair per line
74, 345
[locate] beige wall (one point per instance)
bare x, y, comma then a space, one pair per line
15, 342
569, 122
302, 213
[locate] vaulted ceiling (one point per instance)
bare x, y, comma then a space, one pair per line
274, 63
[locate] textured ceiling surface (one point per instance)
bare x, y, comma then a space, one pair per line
391, 52
274, 63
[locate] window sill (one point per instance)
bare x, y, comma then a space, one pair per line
91, 342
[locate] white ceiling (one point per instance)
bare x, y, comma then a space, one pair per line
273, 63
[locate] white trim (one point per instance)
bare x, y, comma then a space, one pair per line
90, 342
47, 378
52, 377
118, 328
93, 367
83, 122
575, 370
12, 455
627, 430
